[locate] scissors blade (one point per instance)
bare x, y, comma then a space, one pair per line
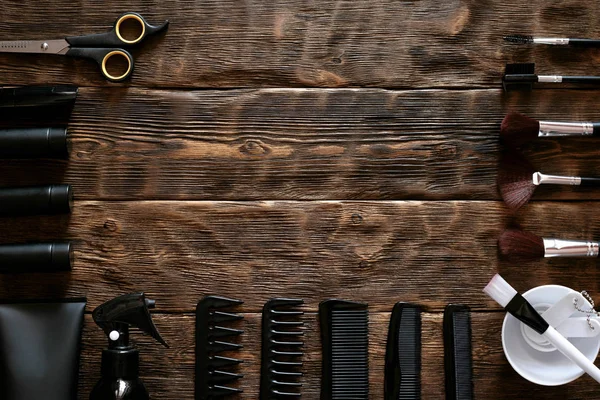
59, 46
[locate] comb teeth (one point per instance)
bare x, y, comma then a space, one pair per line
281, 349
213, 375
403, 354
345, 341
519, 76
457, 352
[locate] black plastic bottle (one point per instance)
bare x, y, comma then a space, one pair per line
121, 361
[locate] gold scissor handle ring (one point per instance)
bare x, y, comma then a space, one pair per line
129, 17
115, 53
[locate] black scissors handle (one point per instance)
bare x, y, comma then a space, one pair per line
107, 48
120, 35
107, 58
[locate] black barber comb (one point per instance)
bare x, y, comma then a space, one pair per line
403, 354
345, 341
213, 371
281, 349
458, 361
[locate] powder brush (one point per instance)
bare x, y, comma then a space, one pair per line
515, 244
518, 129
517, 180
552, 41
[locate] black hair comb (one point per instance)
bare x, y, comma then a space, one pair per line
403, 354
213, 371
281, 349
345, 341
458, 361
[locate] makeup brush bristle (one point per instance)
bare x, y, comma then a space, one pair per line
518, 129
515, 244
515, 180
518, 39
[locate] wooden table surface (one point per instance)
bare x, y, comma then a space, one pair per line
313, 149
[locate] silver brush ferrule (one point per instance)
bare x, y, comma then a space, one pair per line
552, 41
550, 78
570, 248
553, 129
542, 179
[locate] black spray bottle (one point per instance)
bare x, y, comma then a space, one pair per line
120, 361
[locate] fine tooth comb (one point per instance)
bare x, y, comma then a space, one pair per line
281, 349
403, 354
345, 341
457, 352
213, 371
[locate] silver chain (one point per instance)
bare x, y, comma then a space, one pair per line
589, 312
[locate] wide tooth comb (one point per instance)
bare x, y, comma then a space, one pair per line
457, 352
403, 354
345, 341
212, 375
281, 349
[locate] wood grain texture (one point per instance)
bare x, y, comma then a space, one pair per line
305, 144
432, 253
383, 43
169, 373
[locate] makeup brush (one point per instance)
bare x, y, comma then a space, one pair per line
553, 41
523, 76
517, 180
518, 129
520, 245
505, 295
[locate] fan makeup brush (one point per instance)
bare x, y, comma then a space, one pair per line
517, 180
515, 244
523, 76
518, 129
552, 41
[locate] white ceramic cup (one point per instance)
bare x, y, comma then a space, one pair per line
544, 368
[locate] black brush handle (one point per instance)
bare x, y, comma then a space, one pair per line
34, 143
590, 182
596, 128
584, 42
36, 257
36, 200
590, 80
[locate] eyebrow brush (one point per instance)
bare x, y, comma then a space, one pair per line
552, 41
523, 76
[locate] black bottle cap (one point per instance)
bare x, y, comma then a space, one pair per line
58, 145
61, 199
62, 256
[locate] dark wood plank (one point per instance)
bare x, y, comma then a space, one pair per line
169, 373
383, 43
427, 252
304, 144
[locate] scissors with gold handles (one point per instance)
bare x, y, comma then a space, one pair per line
106, 49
